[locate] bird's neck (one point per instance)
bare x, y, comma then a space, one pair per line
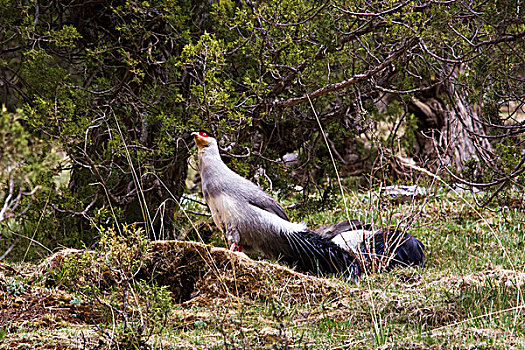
210, 157
210, 151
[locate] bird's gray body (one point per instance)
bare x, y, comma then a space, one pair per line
246, 214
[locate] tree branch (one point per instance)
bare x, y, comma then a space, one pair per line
343, 84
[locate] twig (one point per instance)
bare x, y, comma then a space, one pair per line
7, 251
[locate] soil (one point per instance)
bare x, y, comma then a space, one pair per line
44, 314
32, 317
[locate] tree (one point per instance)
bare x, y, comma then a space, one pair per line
23, 162
119, 84
286, 66
99, 79
16, 157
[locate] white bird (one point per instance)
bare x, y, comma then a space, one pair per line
252, 220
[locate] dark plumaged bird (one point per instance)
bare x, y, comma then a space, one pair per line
252, 220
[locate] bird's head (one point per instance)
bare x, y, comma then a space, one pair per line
202, 139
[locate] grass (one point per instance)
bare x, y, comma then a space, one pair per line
470, 295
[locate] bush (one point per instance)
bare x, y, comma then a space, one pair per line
127, 310
26, 174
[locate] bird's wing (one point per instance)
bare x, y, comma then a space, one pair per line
312, 253
269, 204
331, 231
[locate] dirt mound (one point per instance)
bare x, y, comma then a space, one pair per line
198, 277
196, 273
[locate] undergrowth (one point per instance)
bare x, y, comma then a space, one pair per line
470, 295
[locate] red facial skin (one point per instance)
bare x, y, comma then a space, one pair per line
202, 139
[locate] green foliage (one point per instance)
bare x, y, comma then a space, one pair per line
26, 174
117, 86
15, 288
120, 256
22, 158
144, 306
124, 251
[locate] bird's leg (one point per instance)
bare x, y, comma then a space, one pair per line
232, 235
238, 246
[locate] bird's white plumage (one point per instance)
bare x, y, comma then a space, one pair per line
276, 224
351, 240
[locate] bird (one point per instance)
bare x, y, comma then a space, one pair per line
251, 220
394, 247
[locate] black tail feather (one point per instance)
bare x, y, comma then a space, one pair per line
406, 249
312, 253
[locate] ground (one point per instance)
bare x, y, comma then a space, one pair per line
190, 295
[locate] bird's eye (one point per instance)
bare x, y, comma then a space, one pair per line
203, 134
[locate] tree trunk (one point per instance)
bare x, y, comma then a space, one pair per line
449, 131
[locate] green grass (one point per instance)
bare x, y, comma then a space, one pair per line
470, 295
